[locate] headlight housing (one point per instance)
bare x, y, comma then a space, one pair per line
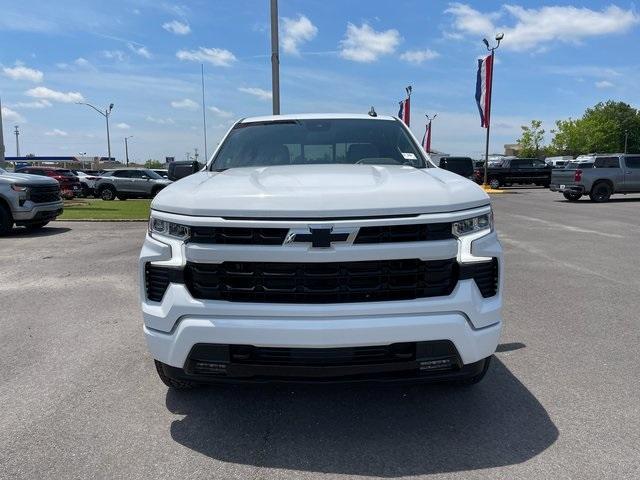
19, 188
473, 225
168, 229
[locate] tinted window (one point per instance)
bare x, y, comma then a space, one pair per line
632, 162
461, 166
307, 142
136, 174
122, 174
607, 162
519, 163
538, 164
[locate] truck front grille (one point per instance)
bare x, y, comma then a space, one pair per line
44, 194
420, 232
338, 282
485, 274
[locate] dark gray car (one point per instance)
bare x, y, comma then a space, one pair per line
129, 183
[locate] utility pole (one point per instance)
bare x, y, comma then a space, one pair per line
204, 116
126, 148
105, 114
17, 134
499, 38
275, 59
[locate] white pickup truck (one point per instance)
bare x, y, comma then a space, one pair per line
321, 247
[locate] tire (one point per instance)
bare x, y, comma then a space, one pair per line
6, 221
171, 382
572, 197
155, 191
37, 226
108, 193
600, 192
86, 191
469, 381
122, 197
494, 183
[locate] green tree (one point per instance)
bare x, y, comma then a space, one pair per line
531, 139
154, 164
601, 129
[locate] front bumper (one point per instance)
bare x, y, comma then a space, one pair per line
36, 212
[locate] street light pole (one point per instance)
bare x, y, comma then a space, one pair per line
626, 138
126, 148
105, 114
275, 59
499, 38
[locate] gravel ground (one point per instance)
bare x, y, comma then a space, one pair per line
80, 397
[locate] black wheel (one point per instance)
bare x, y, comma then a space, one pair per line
155, 191
86, 191
600, 192
37, 226
6, 221
463, 382
572, 197
494, 183
122, 197
108, 193
171, 382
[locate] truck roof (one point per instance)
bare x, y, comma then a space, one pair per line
315, 116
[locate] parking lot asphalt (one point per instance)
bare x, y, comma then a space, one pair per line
79, 396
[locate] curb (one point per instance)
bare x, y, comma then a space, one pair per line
101, 220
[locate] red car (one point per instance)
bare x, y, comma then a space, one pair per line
70, 185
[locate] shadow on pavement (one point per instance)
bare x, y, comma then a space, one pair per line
366, 430
43, 232
510, 347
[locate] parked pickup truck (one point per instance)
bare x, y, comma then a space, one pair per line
321, 247
613, 173
27, 200
523, 171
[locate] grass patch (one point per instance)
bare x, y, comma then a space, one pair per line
86, 209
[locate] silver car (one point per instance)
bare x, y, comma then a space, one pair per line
126, 183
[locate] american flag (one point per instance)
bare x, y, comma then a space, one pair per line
426, 139
483, 89
405, 108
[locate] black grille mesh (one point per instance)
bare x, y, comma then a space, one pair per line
44, 194
404, 233
336, 282
485, 274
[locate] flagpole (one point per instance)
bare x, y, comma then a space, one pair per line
499, 38
430, 120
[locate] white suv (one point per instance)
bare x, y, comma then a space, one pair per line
321, 247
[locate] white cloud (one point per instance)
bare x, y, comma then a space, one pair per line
220, 113
56, 132
257, 92
114, 55
20, 72
141, 50
55, 96
123, 126
160, 121
34, 104
177, 27
216, 56
535, 27
9, 115
296, 31
186, 104
364, 44
82, 62
419, 56
604, 84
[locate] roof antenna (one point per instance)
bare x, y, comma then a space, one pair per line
372, 112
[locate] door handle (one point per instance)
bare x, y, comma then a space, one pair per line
628, 173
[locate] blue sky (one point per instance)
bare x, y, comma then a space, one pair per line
557, 58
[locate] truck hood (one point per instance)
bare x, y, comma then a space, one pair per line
319, 191
26, 179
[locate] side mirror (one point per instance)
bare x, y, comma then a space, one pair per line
178, 170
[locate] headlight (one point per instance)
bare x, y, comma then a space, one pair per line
473, 225
19, 188
168, 229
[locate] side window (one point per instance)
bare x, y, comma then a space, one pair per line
517, 163
632, 162
136, 174
121, 174
539, 164
607, 162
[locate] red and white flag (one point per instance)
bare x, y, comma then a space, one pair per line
405, 108
483, 89
426, 140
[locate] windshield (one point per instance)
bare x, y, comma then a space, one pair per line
310, 142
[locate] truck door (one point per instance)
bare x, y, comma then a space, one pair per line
631, 173
609, 167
